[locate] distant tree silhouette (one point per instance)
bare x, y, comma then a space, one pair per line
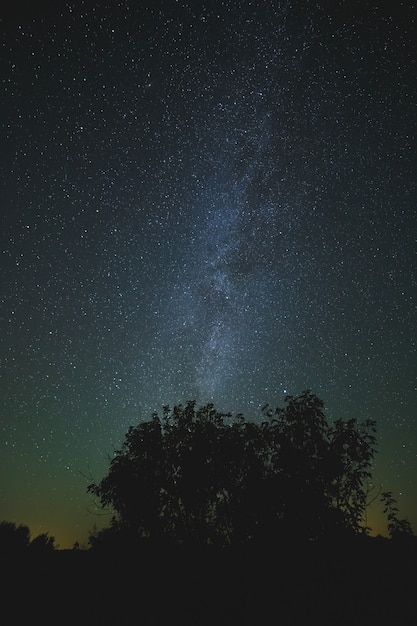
42, 544
202, 476
14, 539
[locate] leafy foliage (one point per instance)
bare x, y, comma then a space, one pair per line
198, 475
397, 528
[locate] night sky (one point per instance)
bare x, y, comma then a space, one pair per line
202, 200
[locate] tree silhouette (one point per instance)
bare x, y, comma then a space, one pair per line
398, 529
15, 539
196, 475
42, 544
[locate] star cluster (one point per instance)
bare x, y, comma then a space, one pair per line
201, 201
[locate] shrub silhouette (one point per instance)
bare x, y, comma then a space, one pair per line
398, 529
15, 539
196, 475
42, 544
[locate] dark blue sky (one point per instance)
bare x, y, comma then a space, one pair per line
201, 200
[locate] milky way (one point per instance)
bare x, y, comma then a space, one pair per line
201, 201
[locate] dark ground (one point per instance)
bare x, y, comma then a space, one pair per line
371, 582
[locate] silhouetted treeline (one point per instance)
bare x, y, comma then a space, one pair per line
219, 520
15, 539
200, 477
197, 477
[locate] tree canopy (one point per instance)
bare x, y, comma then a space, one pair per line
199, 475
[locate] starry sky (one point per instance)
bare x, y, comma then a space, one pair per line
208, 200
